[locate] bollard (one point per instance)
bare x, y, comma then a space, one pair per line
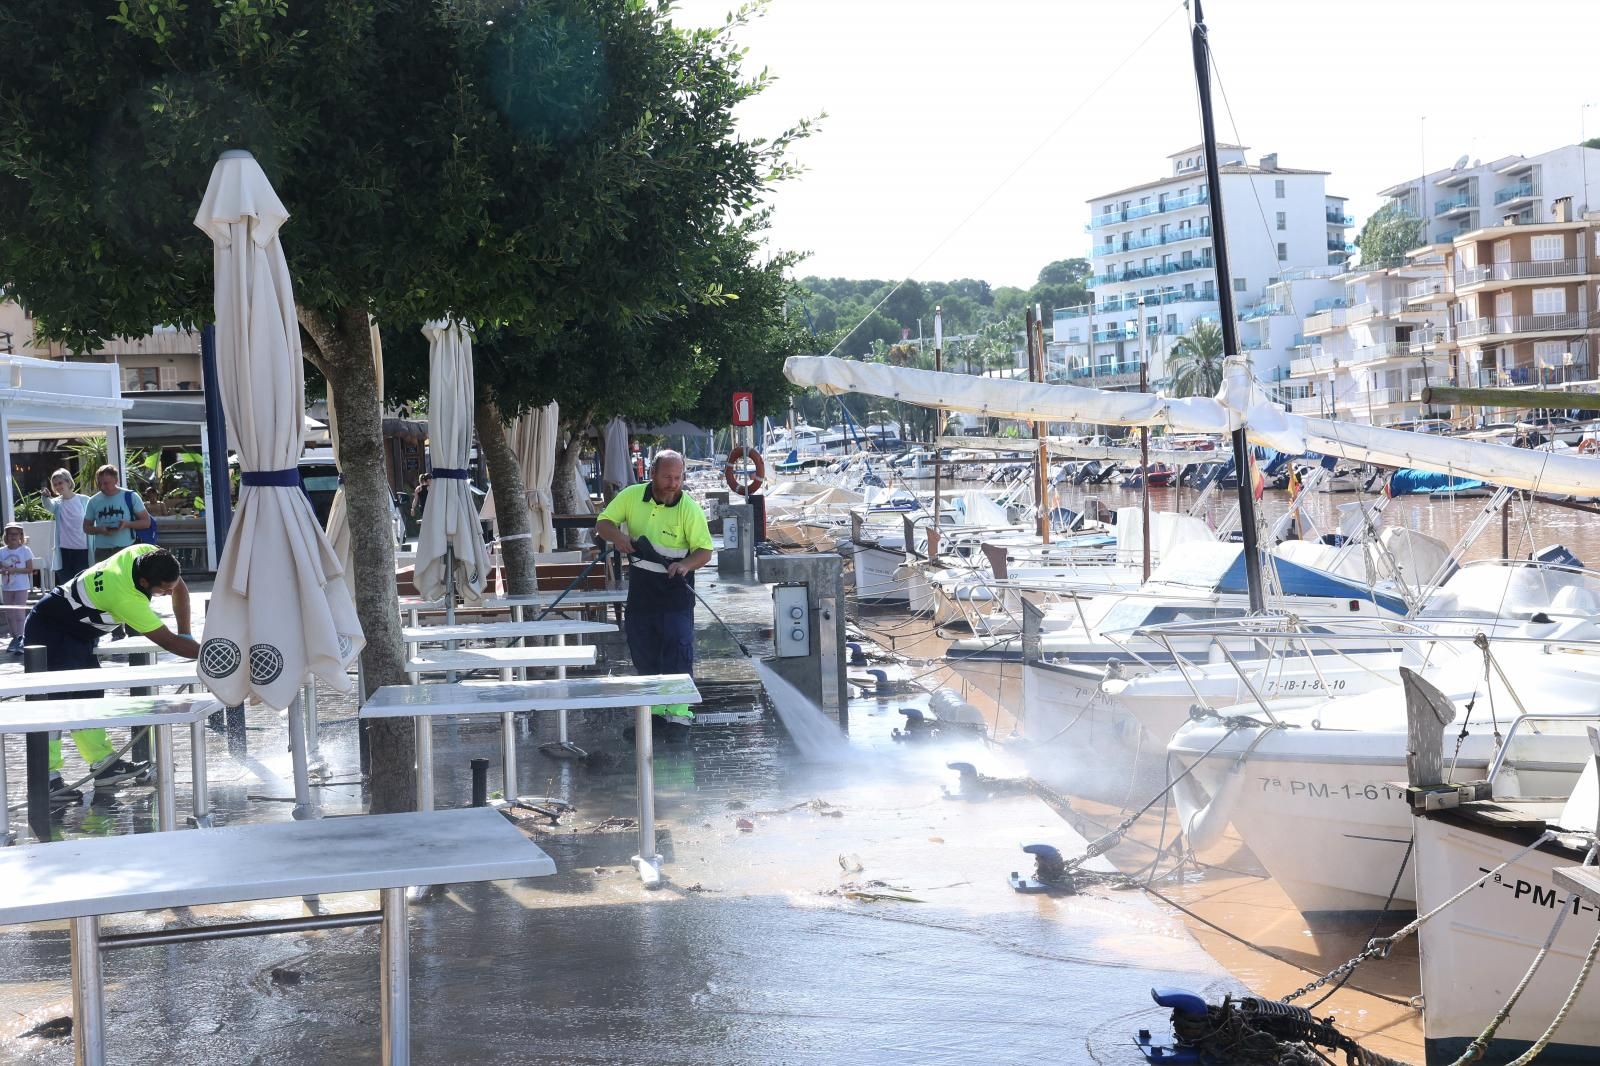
35, 658
480, 783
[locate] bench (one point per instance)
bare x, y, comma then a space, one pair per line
447, 660
81, 880
161, 712
415, 606
509, 698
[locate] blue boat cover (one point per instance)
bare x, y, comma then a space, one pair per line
1417, 482
1220, 568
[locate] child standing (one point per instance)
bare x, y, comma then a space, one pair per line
16, 578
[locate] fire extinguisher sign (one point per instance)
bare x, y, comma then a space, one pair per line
744, 409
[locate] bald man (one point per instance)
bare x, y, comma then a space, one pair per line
664, 532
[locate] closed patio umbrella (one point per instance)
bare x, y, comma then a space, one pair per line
279, 613
450, 527
533, 440
616, 464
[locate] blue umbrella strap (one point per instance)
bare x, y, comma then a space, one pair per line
272, 479
458, 474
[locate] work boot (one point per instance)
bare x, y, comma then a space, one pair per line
118, 771
59, 792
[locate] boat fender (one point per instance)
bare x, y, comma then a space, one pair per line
857, 656
1203, 819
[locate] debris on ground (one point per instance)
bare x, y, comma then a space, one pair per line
57, 1028
872, 892
745, 825
851, 864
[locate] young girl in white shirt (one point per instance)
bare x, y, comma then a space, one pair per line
16, 578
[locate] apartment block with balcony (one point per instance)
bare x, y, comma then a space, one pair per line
165, 360
1154, 267
1470, 196
1368, 351
1525, 300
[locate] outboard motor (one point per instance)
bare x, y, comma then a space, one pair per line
1557, 555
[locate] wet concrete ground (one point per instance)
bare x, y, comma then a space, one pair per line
751, 954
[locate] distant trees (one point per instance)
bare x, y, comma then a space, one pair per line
1389, 233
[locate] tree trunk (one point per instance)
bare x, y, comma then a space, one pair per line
510, 499
342, 349
564, 489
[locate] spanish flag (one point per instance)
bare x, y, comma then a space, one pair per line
1294, 481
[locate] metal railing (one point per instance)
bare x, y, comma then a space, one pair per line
1337, 219
1176, 203
1516, 192
1459, 203
1329, 319
1153, 271
1570, 322
1375, 352
1524, 268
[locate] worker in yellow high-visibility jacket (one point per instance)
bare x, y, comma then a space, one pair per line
664, 530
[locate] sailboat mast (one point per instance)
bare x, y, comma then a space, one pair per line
1230, 337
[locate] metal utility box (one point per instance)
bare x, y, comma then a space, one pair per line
791, 621
738, 555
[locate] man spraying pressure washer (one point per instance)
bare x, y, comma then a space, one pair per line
665, 532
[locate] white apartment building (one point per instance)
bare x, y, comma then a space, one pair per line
1472, 196
1154, 265
1367, 355
1368, 351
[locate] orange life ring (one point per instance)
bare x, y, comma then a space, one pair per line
731, 477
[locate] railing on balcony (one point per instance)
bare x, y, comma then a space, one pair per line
1175, 203
1104, 370
1330, 319
1153, 271
1336, 218
1428, 287
1516, 271
1328, 303
1459, 203
1261, 310
1186, 233
1320, 363
1516, 192
1373, 353
1570, 322
1340, 246
1313, 405
1424, 345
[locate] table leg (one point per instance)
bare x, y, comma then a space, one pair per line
88, 993
305, 808
201, 819
141, 737
647, 862
166, 787
34, 659
395, 979
7, 838
424, 731
508, 757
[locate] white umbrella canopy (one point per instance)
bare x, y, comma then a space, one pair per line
279, 612
533, 440
616, 463
449, 519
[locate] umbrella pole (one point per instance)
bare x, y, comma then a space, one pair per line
304, 808
450, 602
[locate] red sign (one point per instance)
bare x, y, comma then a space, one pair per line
744, 409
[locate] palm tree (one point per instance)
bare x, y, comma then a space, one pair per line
1195, 362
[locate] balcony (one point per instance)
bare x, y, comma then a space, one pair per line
1464, 202
1336, 218
1377, 353
1328, 303
1255, 344
1260, 310
1513, 376
1335, 245
1107, 373
1308, 405
1326, 322
1427, 289
1154, 271
1516, 192
1185, 233
1320, 363
1543, 268
1176, 203
1569, 322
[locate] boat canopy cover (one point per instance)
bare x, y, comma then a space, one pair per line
1417, 482
1242, 402
1220, 568
1167, 532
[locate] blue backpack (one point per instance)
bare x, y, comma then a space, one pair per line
140, 536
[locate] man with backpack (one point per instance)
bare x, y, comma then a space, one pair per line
115, 517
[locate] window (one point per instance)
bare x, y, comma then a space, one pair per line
1549, 301
1106, 210
1172, 323
1143, 200
1278, 191
1502, 251
1238, 285
1547, 248
141, 378
1549, 354
1283, 220
1283, 252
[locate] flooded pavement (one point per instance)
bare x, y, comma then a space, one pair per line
776, 940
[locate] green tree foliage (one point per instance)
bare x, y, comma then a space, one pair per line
1195, 361
1389, 234
530, 165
